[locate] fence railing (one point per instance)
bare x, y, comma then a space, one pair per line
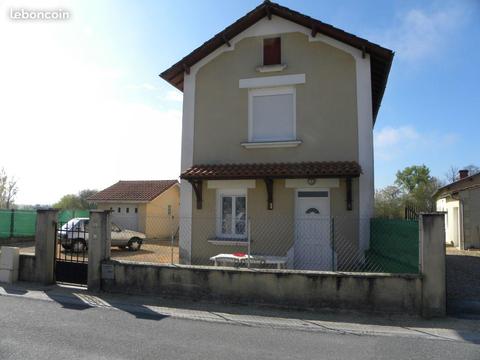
310, 243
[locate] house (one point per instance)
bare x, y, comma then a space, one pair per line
149, 206
278, 115
460, 200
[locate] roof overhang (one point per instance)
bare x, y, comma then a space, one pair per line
301, 170
469, 182
380, 58
118, 202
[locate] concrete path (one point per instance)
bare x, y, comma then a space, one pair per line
447, 329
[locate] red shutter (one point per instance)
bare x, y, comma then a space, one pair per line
272, 51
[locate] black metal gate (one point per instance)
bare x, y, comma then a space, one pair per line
71, 261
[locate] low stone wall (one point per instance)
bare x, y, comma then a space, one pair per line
306, 289
12, 241
26, 268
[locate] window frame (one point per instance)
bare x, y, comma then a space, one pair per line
234, 193
272, 91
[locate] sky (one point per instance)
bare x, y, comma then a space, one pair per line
82, 105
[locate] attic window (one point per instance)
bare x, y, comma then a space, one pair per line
272, 51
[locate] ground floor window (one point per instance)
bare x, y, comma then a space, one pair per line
231, 213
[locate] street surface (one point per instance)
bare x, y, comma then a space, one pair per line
72, 325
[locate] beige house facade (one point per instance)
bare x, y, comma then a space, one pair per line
150, 206
460, 201
277, 140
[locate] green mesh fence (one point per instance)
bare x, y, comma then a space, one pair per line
5, 218
65, 215
18, 223
22, 223
394, 245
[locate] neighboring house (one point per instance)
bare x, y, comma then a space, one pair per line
461, 202
149, 206
278, 115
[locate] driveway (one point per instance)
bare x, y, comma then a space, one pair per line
156, 251
463, 280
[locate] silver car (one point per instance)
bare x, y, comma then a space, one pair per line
74, 236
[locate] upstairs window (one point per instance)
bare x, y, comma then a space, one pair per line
272, 114
272, 54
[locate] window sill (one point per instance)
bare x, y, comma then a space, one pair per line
271, 68
271, 144
231, 242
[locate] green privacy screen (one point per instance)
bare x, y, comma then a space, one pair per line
65, 215
394, 245
21, 223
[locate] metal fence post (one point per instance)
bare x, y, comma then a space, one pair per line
12, 222
249, 241
172, 237
333, 242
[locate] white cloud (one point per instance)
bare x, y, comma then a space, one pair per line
389, 136
170, 95
144, 86
65, 122
173, 95
392, 143
418, 33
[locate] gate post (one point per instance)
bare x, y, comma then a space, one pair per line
432, 264
45, 241
99, 241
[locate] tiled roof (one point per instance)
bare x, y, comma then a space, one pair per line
459, 185
380, 57
143, 190
317, 169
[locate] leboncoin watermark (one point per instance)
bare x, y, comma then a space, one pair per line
39, 14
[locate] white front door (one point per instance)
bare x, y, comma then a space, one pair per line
312, 248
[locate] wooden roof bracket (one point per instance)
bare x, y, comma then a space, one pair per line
269, 185
364, 50
186, 68
225, 40
349, 194
197, 188
314, 31
268, 11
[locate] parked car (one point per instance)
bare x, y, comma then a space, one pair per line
73, 236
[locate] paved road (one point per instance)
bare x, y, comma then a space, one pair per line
36, 329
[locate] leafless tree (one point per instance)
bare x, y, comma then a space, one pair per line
452, 174
8, 189
472, 169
